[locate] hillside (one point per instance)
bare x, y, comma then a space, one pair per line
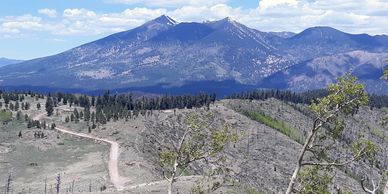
319, 72
263, 157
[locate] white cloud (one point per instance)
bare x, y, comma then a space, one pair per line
79, 14
52, 13
267, 4
83, 21
169, 3
270, 15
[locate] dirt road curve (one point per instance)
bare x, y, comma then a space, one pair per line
115, 177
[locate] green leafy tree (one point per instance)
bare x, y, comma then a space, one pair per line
345, 97
197, 143
314, 180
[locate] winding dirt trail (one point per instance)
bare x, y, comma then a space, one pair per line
117, 180
114, 174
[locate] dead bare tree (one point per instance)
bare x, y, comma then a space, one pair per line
45, 185
58, 186
8, 185
72, 186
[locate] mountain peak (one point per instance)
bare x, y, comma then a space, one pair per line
228, 20
321, 32
164, 19
323, 29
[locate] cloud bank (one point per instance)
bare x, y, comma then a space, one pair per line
353, 16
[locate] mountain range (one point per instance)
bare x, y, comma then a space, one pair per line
5, 61
164, 54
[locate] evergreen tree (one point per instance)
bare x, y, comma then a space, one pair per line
19, 115
76, 113
67, 119
49, 106
29, 123
17, 106
87, 114
11, 106
27, 106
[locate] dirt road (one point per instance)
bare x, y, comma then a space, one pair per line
114, 174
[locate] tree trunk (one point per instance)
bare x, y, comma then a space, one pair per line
300, 159
170, 186
293, 180
172, 178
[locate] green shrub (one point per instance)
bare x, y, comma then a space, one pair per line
281, 126
5, 116
379, 133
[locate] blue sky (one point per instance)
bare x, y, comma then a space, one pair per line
37, 28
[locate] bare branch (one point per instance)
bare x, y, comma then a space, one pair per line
356, 157
375, 187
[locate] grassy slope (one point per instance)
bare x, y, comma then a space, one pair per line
279, 125
5, 116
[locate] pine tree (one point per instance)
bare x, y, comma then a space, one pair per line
87, 114
19, 115
11, 107
49, 106
27, 106
17, 105
29, 124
